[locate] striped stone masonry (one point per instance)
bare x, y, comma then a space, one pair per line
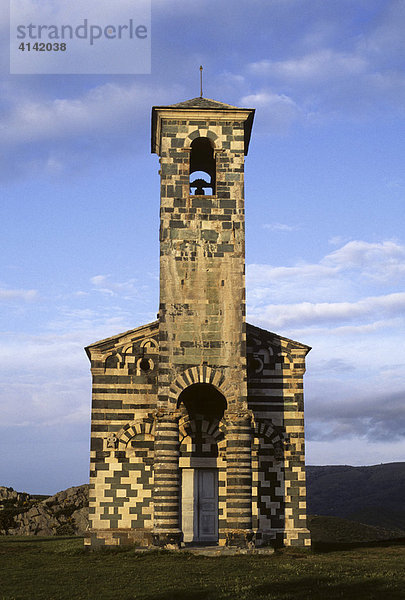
197, 426
166, 493
276, 367
239, 477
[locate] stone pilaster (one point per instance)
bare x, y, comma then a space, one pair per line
239, 478
166, 491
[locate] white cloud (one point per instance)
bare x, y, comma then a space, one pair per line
267, 274
339, 276
356, 368
357, 453
306, 313
9, 294
382, 262
277, 111
45, 377
90, 322
36, 400
35, 397
337, 240
126, 290
386, 38
375, 417
316, 66
56, 134
101, 109
280, 227
98, 279
333, 70
353, 329
394, 184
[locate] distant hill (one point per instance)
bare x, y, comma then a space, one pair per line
65, 513
373, 495
334, 532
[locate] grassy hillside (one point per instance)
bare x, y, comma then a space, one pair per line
332, 533
59, 569
373, 495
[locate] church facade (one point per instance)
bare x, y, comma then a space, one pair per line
197, 428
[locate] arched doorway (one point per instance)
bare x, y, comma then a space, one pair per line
203, 406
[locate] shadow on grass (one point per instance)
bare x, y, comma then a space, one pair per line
10, 539
320, 588
183, 595
337, 546
304, 588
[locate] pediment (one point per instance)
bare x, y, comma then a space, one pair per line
121, 341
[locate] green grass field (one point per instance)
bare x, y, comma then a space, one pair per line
59, 568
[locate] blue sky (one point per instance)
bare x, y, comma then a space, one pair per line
325, 195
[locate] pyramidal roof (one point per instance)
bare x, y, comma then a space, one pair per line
200, 102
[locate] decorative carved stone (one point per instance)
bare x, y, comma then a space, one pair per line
111, 441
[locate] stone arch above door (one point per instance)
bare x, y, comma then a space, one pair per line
202, 374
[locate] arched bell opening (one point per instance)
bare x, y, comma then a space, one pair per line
203, 399
202, 167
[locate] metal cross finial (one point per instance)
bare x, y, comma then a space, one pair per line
201, 81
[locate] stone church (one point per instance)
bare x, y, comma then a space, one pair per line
197, 427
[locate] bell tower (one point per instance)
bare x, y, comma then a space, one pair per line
202, 144
202, 329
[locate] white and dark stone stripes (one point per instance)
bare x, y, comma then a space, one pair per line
166, 493
238, 474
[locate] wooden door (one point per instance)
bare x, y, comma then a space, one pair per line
200, 505
207, 505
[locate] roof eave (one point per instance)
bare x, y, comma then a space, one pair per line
298, 345
247, 126
119, 335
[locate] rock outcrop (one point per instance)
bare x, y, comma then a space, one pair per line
65, 513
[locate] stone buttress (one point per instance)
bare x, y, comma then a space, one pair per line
197, 420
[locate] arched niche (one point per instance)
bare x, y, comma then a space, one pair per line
150, 346
112, 361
